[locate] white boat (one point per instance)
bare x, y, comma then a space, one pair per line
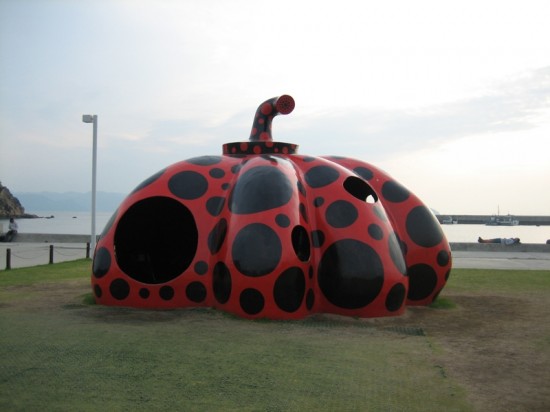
449, 221
502, 221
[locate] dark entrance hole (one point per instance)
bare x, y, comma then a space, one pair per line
156, 240
360, 189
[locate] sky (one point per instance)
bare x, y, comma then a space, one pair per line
451, 98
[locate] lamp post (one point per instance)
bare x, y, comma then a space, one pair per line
89, 118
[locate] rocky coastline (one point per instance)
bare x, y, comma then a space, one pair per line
11, 207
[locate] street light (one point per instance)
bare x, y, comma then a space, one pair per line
89, 118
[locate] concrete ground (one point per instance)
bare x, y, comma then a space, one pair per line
25, 254
501, 260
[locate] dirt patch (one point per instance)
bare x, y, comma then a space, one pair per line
496, 346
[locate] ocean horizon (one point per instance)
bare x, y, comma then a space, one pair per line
79, 223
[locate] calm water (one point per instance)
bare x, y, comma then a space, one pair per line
80, 223
73, 223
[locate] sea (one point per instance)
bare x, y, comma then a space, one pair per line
79, 223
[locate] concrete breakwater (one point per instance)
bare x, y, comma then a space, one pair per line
455, 246
51, 238
482, 219
498, 247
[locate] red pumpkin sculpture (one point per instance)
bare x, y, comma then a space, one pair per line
263, 232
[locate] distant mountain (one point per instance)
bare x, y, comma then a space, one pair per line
69, 201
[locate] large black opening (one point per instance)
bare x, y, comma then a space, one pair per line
156, 240
360, 189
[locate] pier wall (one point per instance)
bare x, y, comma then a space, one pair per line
481, 219
455, 246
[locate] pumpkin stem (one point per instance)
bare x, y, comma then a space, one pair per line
261, 128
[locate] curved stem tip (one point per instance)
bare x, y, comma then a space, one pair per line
261, 128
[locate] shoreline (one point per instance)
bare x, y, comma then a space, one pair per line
523, 220
455, 246
38, 249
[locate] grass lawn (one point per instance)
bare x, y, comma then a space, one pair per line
59, 352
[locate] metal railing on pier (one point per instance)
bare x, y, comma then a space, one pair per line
32, 255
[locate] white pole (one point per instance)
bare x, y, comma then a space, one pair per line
94, 171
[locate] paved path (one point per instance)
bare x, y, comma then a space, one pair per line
501, 260
31, 254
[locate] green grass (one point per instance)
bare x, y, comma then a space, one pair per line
71, 355
499, 281
46, 273
443, 303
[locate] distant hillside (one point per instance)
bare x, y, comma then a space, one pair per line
69, 201
10, 206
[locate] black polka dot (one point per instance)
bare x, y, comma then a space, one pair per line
97, 291
188, 185
396, 297
201, 267
308, 159
289, 289
317, 238
226, 186
423, 228
149, 180
251, 301
375, 231
300, 243
396, 253
144, 293
394, 192
204, 160
310, 299
301, 188
318, 201
256, 250
319, 176
364, 172
443, 258
282, 220
447, 275
216, 173
236, 168
166, 292
259, 189
217, 236
341, 213
303, 212
221, 282
214, 205
422, 281
350, 274
195, 292
102, 262
119, 289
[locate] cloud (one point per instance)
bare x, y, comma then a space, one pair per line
514, 105
373, 134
